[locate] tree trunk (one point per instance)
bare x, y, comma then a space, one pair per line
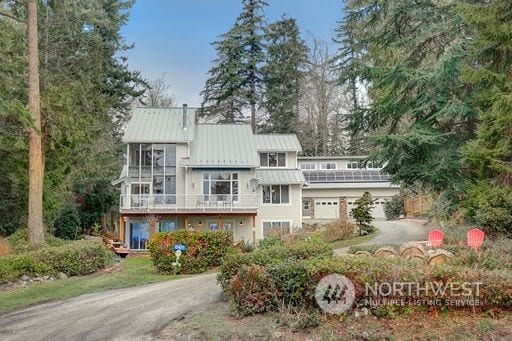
35, 161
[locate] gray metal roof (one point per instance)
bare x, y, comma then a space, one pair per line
219, 145
280, 176
154, 125
277, 142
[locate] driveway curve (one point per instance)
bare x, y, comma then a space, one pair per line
395, 232
137, 313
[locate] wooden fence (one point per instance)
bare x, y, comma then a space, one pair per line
418, 206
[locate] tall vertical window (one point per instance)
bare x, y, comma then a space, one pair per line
156, 164
276, 194
273, 159
220, 186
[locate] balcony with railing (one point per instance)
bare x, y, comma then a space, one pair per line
192, 203
345, 176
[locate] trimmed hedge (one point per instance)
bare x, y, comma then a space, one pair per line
204, 249
292, 282
74, 258
271, 254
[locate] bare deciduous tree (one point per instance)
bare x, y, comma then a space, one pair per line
157, 95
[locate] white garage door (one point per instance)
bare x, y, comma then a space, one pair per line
326, 208
378, 207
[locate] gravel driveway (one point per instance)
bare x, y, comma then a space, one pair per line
137, 313
395, 232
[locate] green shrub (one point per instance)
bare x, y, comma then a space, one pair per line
490, 206
271, 255
204, 249
252, 291
394, 208
337, 230
19, 241
67, 224
13, 267
76, 258
270, 241
294, 282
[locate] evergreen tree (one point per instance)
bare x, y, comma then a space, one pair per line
234, 85
362, 213
282, 74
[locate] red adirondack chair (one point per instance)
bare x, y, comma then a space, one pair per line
475, 238
435, 238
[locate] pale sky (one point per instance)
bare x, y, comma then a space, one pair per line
173, 37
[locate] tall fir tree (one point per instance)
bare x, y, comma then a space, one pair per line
282, 75
235, 81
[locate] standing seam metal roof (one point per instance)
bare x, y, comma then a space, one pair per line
280, 176
277, 142
155, 125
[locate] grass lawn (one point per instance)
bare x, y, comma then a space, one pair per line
338, 244
133, 271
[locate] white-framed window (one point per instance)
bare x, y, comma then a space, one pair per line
269, 159
276, 194
354, 165
308, 166
276, 227
222, 186
328, 165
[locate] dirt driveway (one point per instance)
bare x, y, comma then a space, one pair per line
137, 313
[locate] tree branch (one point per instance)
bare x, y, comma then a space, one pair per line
11, 16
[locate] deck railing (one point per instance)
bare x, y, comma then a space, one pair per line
203, 202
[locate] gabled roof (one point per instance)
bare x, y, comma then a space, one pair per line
155, 125
280, 176
277, 142
219, 145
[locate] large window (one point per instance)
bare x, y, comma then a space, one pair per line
275, 227
276, 194
139, 235
328, 165
308, 166
220, 186
273, 159
156, 164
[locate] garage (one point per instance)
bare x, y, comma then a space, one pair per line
378, 208
326, 208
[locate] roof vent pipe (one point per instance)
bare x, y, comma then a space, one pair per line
184, 117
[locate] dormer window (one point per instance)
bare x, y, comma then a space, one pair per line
273, 159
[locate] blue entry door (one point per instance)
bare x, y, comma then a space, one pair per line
139, 236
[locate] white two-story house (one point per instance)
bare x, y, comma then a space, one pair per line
336, 182
181, 174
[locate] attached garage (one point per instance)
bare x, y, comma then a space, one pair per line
327, 208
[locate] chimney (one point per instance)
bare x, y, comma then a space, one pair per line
184, 116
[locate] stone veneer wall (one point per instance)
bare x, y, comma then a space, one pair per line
343, 208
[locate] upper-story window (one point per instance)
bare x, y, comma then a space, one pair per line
220, 186
328, 165
276, 194
273, 159
353, 165
308, 166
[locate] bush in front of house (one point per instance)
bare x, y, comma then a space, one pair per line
293, 283
74, 258
362, 213
337, 230
394, 208
204, 249
19, 241
271, 255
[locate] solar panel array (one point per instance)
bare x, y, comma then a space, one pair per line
361, 175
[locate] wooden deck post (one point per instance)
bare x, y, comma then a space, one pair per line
219, 222
121, 229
